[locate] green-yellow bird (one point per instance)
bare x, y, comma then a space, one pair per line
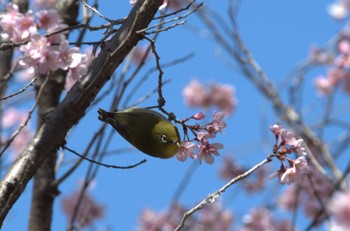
147, 130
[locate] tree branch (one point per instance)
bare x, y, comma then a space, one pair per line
52, 133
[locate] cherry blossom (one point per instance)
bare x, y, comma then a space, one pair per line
195, 94
198, 116
88, 211
261, 219
186, 150
206, 150
42, 53
12, 117
340, 209
48, 19
44, 4
16, 26
218, 95
230, 169
287, 143
296, 172
323, 85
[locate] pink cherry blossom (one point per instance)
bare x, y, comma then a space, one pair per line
77, 72
48, 19
24, 27
257, 219
77, 69
323, 85
303, 194
13, 117
261, 219
44, 4
276, 129
296, 172
340, 209
175, 4
8, 20
217, 124
344, 46
257, 182
195, 94
335, 76
198, 116
138, 55
204, 136
291, 143
186, 150
70, 57
16, 26
88, 212
20, 142
286, 142
39, 53
213, 217
222, 97
151, 220
346, 84
230, 169
289, 198
206, 150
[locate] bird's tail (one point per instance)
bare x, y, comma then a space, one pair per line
104, 115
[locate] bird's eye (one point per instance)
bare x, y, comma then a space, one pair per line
164, 139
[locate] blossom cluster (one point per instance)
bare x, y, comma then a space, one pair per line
286, 143
261, 218
89, 210
252, 184
303, 195
218, 95
206, 150
211, 217
42, 53
340, 209
338, 74
10, 120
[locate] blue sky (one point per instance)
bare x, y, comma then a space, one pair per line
278, 33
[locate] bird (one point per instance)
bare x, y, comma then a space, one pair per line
147, 130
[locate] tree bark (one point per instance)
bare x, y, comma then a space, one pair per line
52, 133
44, 191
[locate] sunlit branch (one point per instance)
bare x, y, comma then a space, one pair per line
212, 197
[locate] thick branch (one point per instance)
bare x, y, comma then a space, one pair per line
52, 133
44, 191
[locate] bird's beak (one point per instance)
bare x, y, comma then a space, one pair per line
177, 143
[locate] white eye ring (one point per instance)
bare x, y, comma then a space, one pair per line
164, 139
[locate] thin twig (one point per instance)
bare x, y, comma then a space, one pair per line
15, 134
212, 197
102, 164
19, 91
95, 10
171, 20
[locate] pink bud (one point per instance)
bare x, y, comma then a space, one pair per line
198, 116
